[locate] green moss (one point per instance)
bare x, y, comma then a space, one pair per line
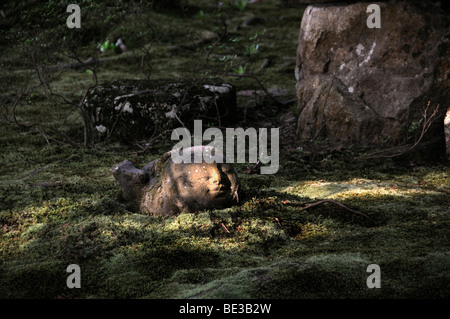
58, 205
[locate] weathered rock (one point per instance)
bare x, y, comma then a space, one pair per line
440, 4
164, 187
135, 109
361, 85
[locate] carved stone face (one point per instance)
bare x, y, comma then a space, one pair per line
202, 185
167, 188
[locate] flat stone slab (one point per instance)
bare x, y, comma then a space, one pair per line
130, 110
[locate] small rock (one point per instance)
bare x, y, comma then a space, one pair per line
120, 46
265, 64
255, 20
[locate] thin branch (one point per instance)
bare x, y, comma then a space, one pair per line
337, 204
149, 141
256, 78
87, 123
43, 134
402, 149
225, 228
221, 37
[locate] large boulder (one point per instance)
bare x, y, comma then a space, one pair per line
443, 5
165, 188
361, 85
131, 110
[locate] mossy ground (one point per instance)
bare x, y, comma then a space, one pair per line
58, 204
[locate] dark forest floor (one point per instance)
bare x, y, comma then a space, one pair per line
58, 204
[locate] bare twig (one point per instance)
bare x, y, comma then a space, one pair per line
87, 122
221, 37
43, 134
254, 169
38, 126
261, 85
225, 228
145, 65
402, 149
337, 204
149, 141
